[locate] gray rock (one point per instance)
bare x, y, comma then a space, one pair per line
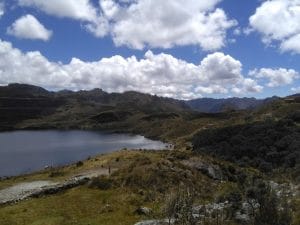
36, 189
208, 209
242, 218
24, 190
155, 222
143, 211
211, 170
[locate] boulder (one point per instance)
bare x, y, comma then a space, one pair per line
211, 170
143, 211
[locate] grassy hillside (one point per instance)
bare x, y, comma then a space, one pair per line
110, 200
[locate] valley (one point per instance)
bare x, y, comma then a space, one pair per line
221, 162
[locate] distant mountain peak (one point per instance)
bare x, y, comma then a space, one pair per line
210, 105
23, 90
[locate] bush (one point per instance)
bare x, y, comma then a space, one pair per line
56, 174
264, 145
272, 210
79, 164
102, 183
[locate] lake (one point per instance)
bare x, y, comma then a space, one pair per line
27, 151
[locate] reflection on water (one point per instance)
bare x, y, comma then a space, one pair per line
27, 151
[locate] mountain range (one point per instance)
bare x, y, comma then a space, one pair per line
27, 106
211, 105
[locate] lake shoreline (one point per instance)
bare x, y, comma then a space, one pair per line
61, 167
78, 128
37, 149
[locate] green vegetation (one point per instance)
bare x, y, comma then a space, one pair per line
231, 166
108, 200
77, 206
265, 145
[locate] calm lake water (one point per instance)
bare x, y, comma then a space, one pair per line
27, 151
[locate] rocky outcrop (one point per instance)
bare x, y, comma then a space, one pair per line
37, 189
210, 211
211, 170
22, 191
225, 210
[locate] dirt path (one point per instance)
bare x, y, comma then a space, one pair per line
26, 190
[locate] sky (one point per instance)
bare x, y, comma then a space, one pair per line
183, 49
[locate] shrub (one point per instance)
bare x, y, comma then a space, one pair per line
272, 210
56, 174
79, 164
102, 183
264, 145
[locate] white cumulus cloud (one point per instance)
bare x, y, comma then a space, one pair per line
160, 74
81, 10
74, 9
291, 44
278, 21
222, 68
167, 23
28, 27
146, 23
247, 86
276, 77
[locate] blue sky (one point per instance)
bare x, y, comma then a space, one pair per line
180, 49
